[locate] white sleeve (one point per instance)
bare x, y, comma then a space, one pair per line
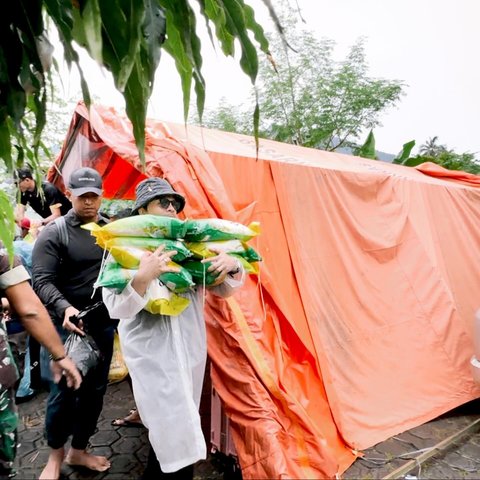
13, 277
125, 304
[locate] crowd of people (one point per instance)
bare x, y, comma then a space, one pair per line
55, 268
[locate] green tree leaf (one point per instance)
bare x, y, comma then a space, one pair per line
405, 153
7, 224
367, 150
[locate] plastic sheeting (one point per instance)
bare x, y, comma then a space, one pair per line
360, 324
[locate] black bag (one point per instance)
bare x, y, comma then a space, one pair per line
83, 351
88, 314
95, 318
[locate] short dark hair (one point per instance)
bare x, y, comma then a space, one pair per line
23, 173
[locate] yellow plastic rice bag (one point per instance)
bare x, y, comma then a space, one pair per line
164, 302
153, 226
151, 244
129, 257
118, 369
209, 249
204, 230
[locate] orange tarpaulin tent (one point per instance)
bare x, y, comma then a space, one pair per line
359, 325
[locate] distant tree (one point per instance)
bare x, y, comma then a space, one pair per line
466, 162
432, 151
431, 148
311, 99
226, 117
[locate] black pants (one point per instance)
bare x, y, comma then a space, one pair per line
154, 472
76, 412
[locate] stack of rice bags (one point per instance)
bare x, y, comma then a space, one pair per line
128, 239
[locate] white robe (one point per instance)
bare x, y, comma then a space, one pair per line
166, 357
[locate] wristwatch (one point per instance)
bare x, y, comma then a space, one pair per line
234, 272
57, 359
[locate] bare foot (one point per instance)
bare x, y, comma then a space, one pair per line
131, 420
81, 458
54, 465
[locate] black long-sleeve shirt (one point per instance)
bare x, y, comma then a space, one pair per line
64, 276
41, 205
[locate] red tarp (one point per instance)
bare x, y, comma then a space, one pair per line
359, 325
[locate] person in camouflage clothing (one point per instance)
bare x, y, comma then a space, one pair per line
18, 295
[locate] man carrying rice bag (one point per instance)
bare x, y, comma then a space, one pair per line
166, 355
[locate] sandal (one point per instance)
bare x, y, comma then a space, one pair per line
127, 422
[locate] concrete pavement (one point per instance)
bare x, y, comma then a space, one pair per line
126, 447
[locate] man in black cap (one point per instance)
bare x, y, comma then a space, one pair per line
66, 263
166, 355
53, 203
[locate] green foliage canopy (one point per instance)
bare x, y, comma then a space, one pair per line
126, 37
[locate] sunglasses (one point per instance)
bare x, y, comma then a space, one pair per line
166, 202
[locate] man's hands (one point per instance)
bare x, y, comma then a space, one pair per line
221, 264
70, 326
67, 368
151, 266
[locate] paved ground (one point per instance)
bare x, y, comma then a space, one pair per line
127, 447
454, 456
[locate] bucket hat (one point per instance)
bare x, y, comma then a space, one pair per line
152, 188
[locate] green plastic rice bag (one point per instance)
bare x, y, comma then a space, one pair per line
251, 255
199, 273
153, 226
163, 300
212, 229
177, 281
114, 276
209, 249
249, 267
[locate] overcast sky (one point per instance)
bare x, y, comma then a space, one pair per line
430, 45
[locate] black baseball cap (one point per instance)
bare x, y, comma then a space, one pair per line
23, 173
85, 180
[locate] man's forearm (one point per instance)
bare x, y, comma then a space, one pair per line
34, 317
39, 326
19, 212
55, 214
